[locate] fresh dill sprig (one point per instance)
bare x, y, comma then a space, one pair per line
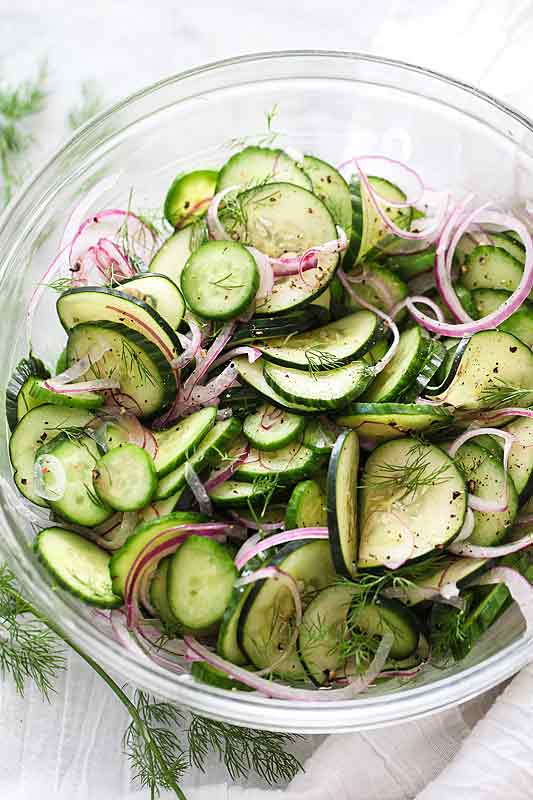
265, 487
243, 750
319, 360
222, 282
16, 106
451, 636
91, 103
261, 139
233, 212
134, 363
499, 394
199, 234
29, 651
59, 285
414, 473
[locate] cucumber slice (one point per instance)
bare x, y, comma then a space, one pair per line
280, 219
61, 363
159, 594
176, 443
520, 467
200, 582
320, 436
402, 370
332, 189
342, 502
37, 427
97, 303
160, 508
271, 428
242, 400
259, 165
369, 232
227, 641
264, 622
237, 493
490, 359
287, 465
489, 267
125, 478
520, 324
175, 251
307, 507
204, 673
18, 399
331, 389
35, 389
160, 293
297, 321
220, 280
506, 242
409, 265
413, 500
189, 196
253, 375
143, 372
327, 613
209, 450
486, 478
341, 341
435, 358
77, 458
77, 565
123, 559
374, 618
383, 421
448, 369
459, 571
391, 290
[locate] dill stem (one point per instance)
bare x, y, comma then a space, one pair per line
115, 688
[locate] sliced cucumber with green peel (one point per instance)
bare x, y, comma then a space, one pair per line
280, 327
490, 359
242, 400
159, 594
200, 582
320, 435
263, 629
238, 493
433, 362
259, 165
489, 267
76, 458
507, 242
79, 566
369, 230
253, 375
142, 371
374, 619
18, 399
330, 186
227, 640
98, 303
281, 219
381, 287
390, 420
160, 293
328, 390
37, 390
402, 370
209, 451
220, 280
412, 501
338, 342
125, 478
205, 673
288, 464
457, 571
271, 428
39, 426
189, 196
342, 502
175, 251
167, 527
175, 444
486, 478
306, 507
409, 265
520, 324
327, 613
520, 466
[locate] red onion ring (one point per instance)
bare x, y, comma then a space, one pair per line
202, 395
519, 588
475, 502
198, 489
203, 364
266, 273
222, 475
253, 353
190, 346
295, 265
480, 551
418, 299
257, 526
97, 385
294, 535
214, 225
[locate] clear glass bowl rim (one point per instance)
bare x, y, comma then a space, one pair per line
245, 709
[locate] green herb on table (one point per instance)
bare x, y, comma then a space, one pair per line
91, 103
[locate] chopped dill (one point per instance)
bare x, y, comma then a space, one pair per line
416, 472
499, 394
134, 363
91, 103
320, 360
59, 285
222, 282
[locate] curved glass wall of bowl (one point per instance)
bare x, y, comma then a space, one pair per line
335, 105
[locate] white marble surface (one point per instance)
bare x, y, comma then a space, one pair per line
71, 748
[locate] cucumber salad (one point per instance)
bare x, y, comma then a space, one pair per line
288, 444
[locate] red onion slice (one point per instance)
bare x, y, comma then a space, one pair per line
97, 385
203, 395
253, 353
114, 225
115, 538
152, 333
224, 473
80, 367
421, 300
296, 265
259, 526
481, 551
475, 502
280, 538
199, 490
273, 573
203, 364
266, 273
190, 346
519, 588
468, 527
214, 225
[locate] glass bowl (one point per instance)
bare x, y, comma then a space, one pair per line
330, 104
